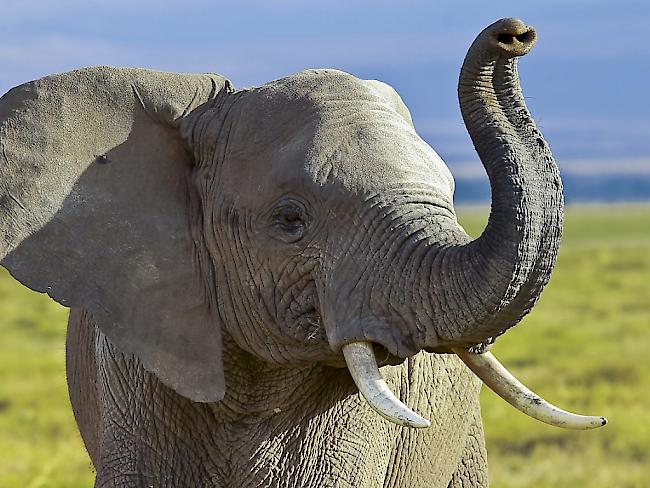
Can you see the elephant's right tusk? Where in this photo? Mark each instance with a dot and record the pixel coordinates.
(361, 361)
(504, 384)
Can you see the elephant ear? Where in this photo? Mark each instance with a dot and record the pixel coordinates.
(95, 211)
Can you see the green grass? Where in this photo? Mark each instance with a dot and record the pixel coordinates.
(39, 443)
(584, 347)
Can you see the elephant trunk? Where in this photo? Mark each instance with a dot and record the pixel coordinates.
(499, 276)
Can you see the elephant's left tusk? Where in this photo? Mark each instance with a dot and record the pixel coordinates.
(362, 364)
(499, 379)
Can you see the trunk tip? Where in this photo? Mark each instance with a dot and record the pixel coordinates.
(510, 37)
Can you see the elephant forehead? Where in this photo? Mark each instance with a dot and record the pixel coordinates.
(326, 128)
(366, 157)
(377, 153)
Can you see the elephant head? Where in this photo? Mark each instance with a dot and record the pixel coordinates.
(305, 219)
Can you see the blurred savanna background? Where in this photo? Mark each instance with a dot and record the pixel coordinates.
(583, 347)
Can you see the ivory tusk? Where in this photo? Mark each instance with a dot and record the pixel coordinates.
(504, 384)
(362, 364)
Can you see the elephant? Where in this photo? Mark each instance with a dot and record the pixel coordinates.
(257, 276)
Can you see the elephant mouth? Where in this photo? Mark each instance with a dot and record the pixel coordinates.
(384, 357)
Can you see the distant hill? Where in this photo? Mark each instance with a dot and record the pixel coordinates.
(606, 181)
(605, 188)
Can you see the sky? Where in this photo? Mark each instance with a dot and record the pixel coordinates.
(586, 81)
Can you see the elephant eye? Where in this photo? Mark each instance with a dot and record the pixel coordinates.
(290, 222)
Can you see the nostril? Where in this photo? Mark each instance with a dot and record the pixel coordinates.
(506, 38)
(525, 37)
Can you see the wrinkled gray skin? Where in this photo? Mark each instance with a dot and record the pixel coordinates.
(218, 248)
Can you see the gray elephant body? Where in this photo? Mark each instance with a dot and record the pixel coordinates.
(300, 427)
(233, 246)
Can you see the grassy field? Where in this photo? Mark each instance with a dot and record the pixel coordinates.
(584, 347)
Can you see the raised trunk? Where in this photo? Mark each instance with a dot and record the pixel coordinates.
(498, 277)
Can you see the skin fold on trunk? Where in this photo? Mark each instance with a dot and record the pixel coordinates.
(507, 267)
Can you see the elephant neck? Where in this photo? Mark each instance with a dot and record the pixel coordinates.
(257, 390)
(310, 424)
